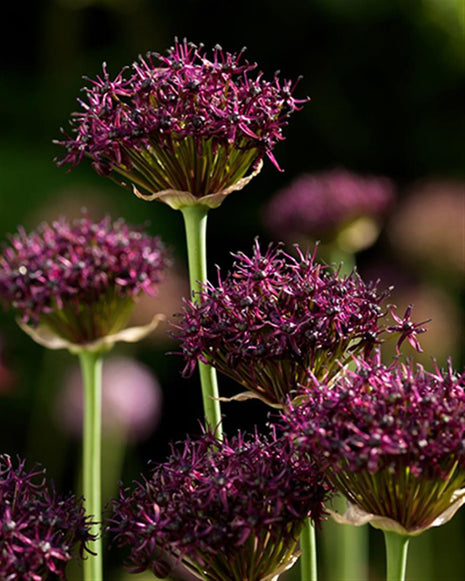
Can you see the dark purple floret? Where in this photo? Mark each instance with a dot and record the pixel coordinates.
(180, 121)
(319, 206)
(227, 510)
(407, 329)
(390, 437)
(275, 317)
(80, 278)
(40, 532)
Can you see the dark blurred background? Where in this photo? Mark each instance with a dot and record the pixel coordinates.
(386, 81)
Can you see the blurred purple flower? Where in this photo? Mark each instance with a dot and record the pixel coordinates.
(40, 531)
(229, 509)
(274, 317)
(391, 438)
(131, 399)
(180, 122)
(324, 206)
(79, 279)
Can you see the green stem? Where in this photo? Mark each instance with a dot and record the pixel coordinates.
(91, 367)
(114, 446)
(350, 543)
(308, 559)
(195, 222)
(396, 555)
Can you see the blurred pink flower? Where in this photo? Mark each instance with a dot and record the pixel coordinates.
(428, 230)
(131, 399)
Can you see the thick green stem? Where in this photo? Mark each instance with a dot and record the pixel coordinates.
(195, 221)
(396, 555)
(349, 543)
(91, 366)
(308, 559)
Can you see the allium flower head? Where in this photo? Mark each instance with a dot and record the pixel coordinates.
(330, 206)
(275, 317)
(183, 126)
(77, 282)
(229, 509)
(391, 438)
(40, 532)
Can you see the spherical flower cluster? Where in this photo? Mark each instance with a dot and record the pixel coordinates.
(274, 316)
(391, 438)
(40, 531)
(180, 122)
(230, 509)
(328, 205)
(79, 279)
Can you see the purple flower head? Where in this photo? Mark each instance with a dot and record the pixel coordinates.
(325, 206)
(275, 317)
(182, 121)
(40, 532)
(391, 438)
(80, 279)
(229, 509)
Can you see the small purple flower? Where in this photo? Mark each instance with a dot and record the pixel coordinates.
(391, 438)
(329, 206)
(40, 532)
(79, 280)
(229, 509)
(275, 317)
(407, 329)
(182, 122)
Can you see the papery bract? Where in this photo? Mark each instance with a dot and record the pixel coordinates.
(74, 284)
(274, 317)
(391, 438)
(181, 127)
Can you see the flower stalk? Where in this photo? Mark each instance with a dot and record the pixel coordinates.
(390, 439)
(396, 555)
(91, 366)
(350, 543)
(308, 559)
(195, 222)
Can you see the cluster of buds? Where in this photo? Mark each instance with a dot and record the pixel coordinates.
(275, 316)
(181, 125)
(76, 283)
(230, 509)
(40, 531)
(391, 438)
